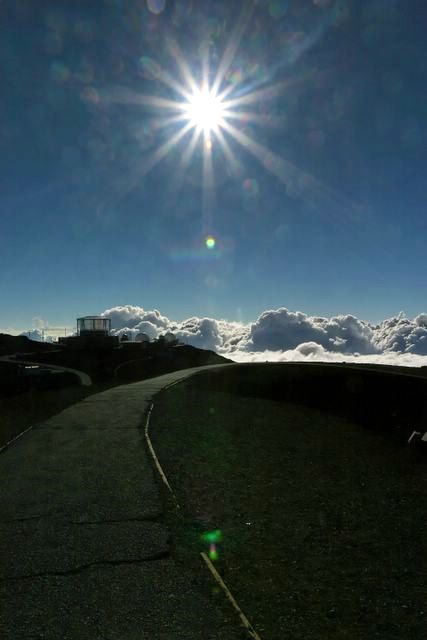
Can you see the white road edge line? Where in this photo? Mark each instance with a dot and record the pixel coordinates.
(230, 597)
(414, 433)
(155, 458)
(208, 562)
(7, 445)
(151, 448)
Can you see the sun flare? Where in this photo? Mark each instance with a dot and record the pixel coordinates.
(208, 109)
(205, 111)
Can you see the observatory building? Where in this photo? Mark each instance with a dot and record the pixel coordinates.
(143, 338)
(93, 326)
(93, 332)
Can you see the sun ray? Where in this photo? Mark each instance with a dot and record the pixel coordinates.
(205, 67)
(265, 120)
(184, 68)
(209, 108)
(208, 184)
(156, 72)
(132, 179)
(276, 165)
(163, 150)
(299, 184)
(233, 44)
(267, 93)
(185, 159)
(163, 122)
(173, 84)
(228, 153)
(123, 95)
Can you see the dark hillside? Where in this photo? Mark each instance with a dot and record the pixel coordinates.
(21, 344)
(131, 361)
(27, 399)
(318, 523)
(166, 360)
(381, 399)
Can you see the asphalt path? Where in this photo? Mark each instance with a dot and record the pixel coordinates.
(85, 553)
(85, 380)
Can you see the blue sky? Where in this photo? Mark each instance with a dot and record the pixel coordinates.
(332, 221)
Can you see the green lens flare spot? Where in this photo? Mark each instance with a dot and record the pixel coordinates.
(210, 242)
(212, 537)
(213, 553)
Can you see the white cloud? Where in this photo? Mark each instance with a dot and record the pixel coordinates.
(205, 333)
(39, 323)
(200, 332)
(284, 335)
(318, 354)
(132, 317)
(402, 334)
(283, 329)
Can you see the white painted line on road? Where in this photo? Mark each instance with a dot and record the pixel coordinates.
(155, 458)
(7, 445)
(207, 560)
(414, 433)
(230, 597)
(151, 448)
(168, 386)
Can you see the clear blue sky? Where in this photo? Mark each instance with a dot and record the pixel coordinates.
(334, 221)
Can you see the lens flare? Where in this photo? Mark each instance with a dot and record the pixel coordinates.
(202, 108)
(210, 242)
(213, 538)
(213, 552)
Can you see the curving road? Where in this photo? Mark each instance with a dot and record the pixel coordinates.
(85, 380)
(85, 549)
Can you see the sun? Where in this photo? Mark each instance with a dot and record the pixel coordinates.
(216, 109)
(205, 110)
(212, 108)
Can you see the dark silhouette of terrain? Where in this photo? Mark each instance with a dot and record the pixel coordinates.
(301, 475)
(378, 397)
(21, 344)
(127, 362)
(29, 395)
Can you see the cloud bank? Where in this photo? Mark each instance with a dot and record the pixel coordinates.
(281, 335)
(284, 335)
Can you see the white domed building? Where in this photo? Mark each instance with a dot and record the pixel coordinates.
(142, 337)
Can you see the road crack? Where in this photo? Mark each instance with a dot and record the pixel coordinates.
(26, 519)
(84, 567)
(148, 518)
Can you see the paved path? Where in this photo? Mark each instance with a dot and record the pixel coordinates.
(85, 553)
(85, 380)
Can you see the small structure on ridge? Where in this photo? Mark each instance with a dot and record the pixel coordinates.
(93, 326)
(92, 332)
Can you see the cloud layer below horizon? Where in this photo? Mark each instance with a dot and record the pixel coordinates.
(284, 335)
